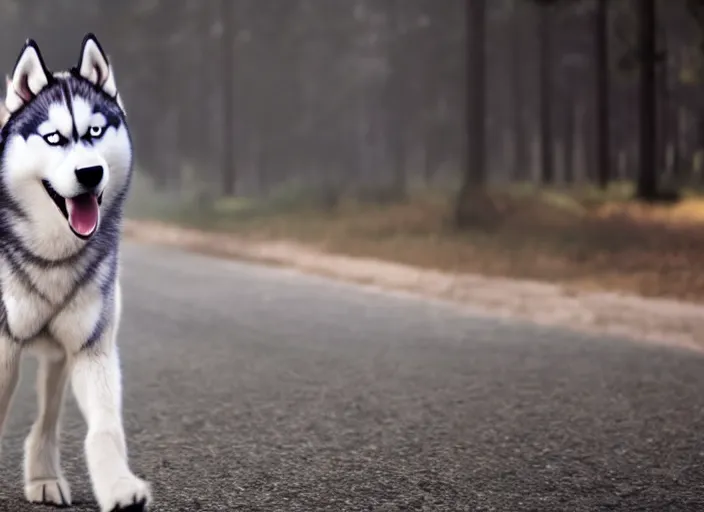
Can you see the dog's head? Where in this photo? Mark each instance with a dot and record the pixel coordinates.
(66, 149)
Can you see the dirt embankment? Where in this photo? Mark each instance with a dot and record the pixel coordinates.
(653, 320)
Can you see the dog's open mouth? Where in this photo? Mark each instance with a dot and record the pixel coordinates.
(82, 211)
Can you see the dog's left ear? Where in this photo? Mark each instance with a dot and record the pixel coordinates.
(93, 65)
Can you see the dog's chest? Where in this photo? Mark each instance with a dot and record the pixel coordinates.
(52, 299)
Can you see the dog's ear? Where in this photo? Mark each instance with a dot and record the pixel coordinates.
(29, 77)
(93, 65)
(4, 112)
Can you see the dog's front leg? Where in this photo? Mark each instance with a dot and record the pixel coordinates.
(9, 375)
(97, 386)
(44, 482)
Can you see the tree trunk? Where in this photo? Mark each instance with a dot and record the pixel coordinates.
(647, 177)
(546, 140)
(588, 132)
(570, 119)
(396, 132)
(397, 103)
(474, 175)
(228, 175)
(662, 116)
(520, 153)
(603, 151)
(427, 169)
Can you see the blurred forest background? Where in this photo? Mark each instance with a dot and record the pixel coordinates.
(551, 139)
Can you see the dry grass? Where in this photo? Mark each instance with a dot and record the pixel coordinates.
(585, 239)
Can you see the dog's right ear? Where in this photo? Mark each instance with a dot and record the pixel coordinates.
(29, 77)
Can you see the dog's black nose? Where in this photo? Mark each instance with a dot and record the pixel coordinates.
(90, 177)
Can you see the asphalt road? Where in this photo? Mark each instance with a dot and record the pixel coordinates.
(258, 389)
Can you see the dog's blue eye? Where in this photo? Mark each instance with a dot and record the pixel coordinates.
(96, 131)
(55, 139)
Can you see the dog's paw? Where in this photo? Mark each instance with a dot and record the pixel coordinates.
(51, 491)
(127, 495)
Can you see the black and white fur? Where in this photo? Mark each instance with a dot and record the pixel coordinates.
(59, 289)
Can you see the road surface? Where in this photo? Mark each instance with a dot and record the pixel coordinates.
(258, 389)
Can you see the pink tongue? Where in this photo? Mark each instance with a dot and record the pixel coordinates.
(83, 213)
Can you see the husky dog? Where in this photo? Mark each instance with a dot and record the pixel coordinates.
(65, 166)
